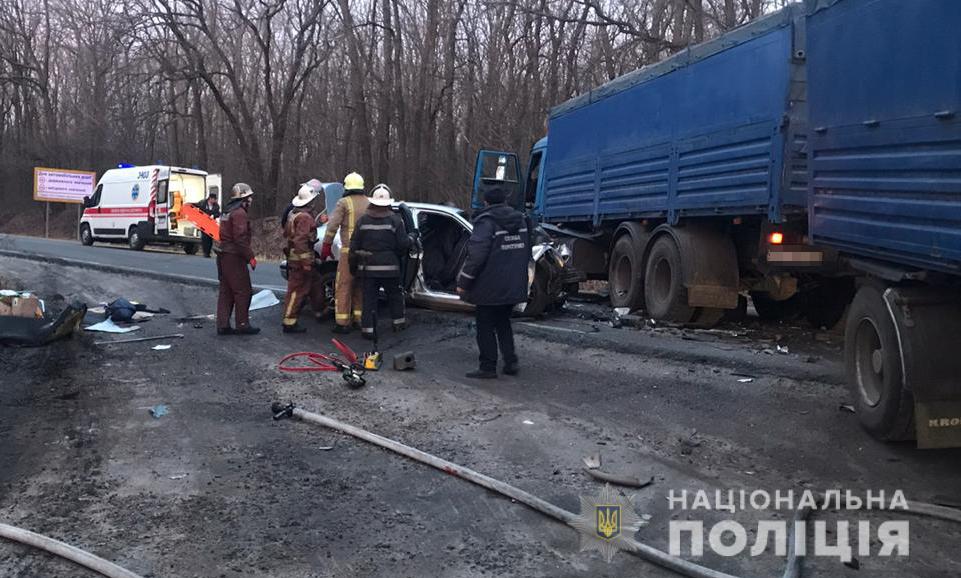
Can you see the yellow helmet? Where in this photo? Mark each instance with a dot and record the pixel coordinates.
(354, 182)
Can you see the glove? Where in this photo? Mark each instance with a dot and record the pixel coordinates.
(253, 262)
(326, 252)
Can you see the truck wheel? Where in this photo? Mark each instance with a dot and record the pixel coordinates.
(624, 274)
(772, 310)
(135, 241)
(86, 237)
(190, 248)
(824, 306)
(872, 360)
(664, 294)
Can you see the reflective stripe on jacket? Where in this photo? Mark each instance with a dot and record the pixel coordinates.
(379, 244)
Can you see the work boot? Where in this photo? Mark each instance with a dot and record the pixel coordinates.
(295, 328)
(510, 369)
(341, 329)
(247, 330)
(225, 330)
(481, 374)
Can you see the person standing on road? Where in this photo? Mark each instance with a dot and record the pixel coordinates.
(212, 208)
(377, 250)
(347, 295)
(302, 279)
(233, 255)
(494, 279)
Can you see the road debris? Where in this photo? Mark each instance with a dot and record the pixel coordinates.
(847, 407)
(34, 332)
(263, 299)
(592, 464)
(108, 326)
(163, 347)
(527, 422)
(404, 361)
(139, 339)
(158, 411)
(745, 380)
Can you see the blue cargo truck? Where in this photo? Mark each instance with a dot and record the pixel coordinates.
(810, 160)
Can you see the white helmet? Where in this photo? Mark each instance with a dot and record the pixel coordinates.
(381, 196)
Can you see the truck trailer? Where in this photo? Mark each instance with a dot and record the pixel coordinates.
(810, 160)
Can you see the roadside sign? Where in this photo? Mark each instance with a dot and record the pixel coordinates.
(62, 185)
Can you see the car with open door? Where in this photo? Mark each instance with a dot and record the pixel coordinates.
(440, 234)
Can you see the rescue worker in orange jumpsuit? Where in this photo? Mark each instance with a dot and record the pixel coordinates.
(233, 256)
(302, 279)
(348, 306)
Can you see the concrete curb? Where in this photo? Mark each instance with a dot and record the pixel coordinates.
(183, 279)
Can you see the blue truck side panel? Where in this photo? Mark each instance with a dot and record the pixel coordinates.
(884, 90)
(707, 132)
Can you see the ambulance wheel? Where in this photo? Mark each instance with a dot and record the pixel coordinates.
(872, 359)
(190, 248)
(135, 241)
(86, 237)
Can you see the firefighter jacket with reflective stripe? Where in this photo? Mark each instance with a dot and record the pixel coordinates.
(350, 208)
(235, 231)
(499, 250)
(379, 245)
(301, 233)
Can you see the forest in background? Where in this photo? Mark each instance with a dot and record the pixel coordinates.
(274, 92)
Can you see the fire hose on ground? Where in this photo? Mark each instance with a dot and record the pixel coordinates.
(72, 553)
(639, 549)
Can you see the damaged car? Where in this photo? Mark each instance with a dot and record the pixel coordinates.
(440, 234)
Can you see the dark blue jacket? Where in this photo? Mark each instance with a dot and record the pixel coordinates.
(499, 250)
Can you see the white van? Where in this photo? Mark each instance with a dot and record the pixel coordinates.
(140, 205)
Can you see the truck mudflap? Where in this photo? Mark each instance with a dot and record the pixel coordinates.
(928, 323)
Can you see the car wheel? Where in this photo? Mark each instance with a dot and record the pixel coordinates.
(328, 282)
(86, 236)
(539, 299)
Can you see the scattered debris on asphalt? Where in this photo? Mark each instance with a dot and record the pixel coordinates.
(37, 331)
(745, 380)
(592, 464)
(263, 299)
(162, 347)
(139, 339)
(847, 407)
(108, 326)
(404, 361)
(158, 411)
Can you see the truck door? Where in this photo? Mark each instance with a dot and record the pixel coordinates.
(495, 168)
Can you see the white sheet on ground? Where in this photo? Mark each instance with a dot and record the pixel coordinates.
(108, 326)
(262, 299)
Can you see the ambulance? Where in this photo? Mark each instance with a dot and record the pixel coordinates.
(141, 205)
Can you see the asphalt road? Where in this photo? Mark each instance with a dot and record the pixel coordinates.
(217, 488)
(155, 259)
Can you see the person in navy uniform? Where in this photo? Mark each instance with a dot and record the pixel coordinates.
(494, 279)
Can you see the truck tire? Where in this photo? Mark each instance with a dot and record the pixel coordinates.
(190, 248)
(872, 361)
(86, 236)
(773, 310)
(664, 294)
(135, 241)
(624, 274)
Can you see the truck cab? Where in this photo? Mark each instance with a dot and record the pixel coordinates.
(501, 167)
